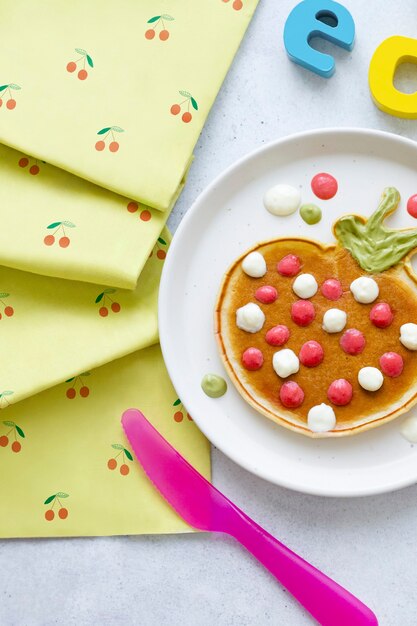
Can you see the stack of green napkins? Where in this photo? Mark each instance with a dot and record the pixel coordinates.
(101, 104)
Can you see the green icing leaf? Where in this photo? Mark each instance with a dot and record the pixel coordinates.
(14, 86)
(9, 423)
(375, 247)
(167, 17)
(48, 500)
(20, 431)
(68, 224)
(177, 402)
(89, 61)
(117, 129)
(164, 243)
(99, 297)
(3, 87)
(54, 225)
(110, 290)
(194, 104)
(117, 446)
(154, 19)
(80, 51)
(62, 494)
(103, 130)
(70, 380)
(186, 94)
(128, 454)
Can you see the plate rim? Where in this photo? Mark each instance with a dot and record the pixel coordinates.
(163, 309)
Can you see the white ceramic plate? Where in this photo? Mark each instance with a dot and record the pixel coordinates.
(227, 219)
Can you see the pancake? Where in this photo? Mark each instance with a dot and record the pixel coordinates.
(341, 261)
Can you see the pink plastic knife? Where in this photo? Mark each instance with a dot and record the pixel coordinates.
(202, 506)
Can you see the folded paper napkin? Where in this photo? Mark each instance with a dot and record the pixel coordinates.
(116, 93)
(66, 466)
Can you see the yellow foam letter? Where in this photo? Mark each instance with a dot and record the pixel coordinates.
(387, 57)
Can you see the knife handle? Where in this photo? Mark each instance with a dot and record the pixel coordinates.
(328, 602)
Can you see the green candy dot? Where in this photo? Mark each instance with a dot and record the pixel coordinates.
(310, 213)
(213, 386)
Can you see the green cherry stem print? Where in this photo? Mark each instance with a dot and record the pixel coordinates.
(112, 463)
(8, 310)
(58, 227)
(185, 106)
(6, 92)
(179, 411)
(4, 402)
(237, 4)
(158, 21)
(55, 499)
(82, 60)
(14, 432)
(78, 382)
(104, 299)
(108, 131)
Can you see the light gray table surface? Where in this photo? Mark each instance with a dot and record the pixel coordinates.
(370, 544)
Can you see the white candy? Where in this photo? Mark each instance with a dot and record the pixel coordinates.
(305, 286)
(285, 362)
(370, 378)
(254, 265)
(364, 289)
(408, 336)
(321, 418)
(250, 318)
(409, 429)
(334, 321)
(282, 200)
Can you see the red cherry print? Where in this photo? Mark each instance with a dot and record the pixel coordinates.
(252, 359)
(124, 469)
(1, 102)
(381, 315)
(103, 311)
(163, 35)
(311, 354)
(145, 215)
(49, 515)
(161, 254)
(84, 392)
(112, 464)
(11, 104)
(291, 395)
(175, 109)
(114, 146)
(24, 162)
(63, 513)
(266, 294)
(278, 335)
(324, 186)
(352, 341)
(115, 307)
(290, 265)
(34, 170)
(4, 441)
(64, 242)
(178, 416)
(340, 392)
(392, 364)
(332, 289)
(71, 393)
(412, 206)
(49, 240)
(100, 145)
(132, 207)
(82, 74)
(16, 446)
(303, 312)
(9, 311)
(150, 34)
(71, 66)
(237, 5)
(186, 117)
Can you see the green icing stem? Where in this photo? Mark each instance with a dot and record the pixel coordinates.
(310, 213)
(213, 385)
(375, 247)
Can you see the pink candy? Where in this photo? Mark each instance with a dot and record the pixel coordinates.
(391, 364)
(412, 206)
(381, 315)
(291, 395)
(290, 265)
(278, 335)
(324, 186)
(266, 294)
(252, 359)
(311, 354)
(352, 341)
(303, 312)
(332, 289)
(340, 392)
